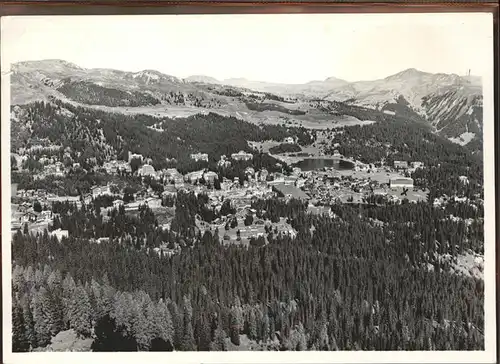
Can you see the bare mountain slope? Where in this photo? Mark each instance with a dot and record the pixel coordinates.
(450, 103)
(412, 84)
(313, 89)
(152, 92)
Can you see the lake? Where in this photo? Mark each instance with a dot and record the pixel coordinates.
(311, 164)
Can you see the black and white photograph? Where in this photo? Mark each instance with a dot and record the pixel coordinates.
(255, 187)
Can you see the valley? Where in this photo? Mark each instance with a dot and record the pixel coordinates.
(154, 213)
(450, 104)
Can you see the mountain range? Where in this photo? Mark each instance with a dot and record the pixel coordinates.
(450, 103)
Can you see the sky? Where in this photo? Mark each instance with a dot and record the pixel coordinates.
(292, 48)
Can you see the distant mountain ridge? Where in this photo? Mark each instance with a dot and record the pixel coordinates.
(452, 104)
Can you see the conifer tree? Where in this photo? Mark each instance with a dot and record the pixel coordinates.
(97, 300)
(46, 270)
(163, 323)
(141, 328)
(54, 284)
(301, 338)
(38, 278)
(41, 317)
(29, 276)
(265, 328)
(80, 312)
(188, 343)
(235, 325)
(252, 325)
(108, 294)
(178, 324)
(18, 280)
(20, 342)
(203, 338)
(29, 322)
(68, 290)
(219, 340)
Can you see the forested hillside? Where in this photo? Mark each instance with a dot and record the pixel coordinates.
(93, 94)
(342, 284)
(96, 134)
(387, 141)
(367, 276)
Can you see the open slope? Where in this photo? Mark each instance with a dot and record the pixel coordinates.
(451, 104)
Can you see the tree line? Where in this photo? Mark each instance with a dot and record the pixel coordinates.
(343, 283)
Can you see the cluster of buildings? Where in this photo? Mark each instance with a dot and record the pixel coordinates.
(116, 166)
(240, 156)
(45, 146)
(242, 233)
(320, 210)
(319, 188)
(25, 213)
(200, 157)
(405, 165)
(196, 176)
(50, 160)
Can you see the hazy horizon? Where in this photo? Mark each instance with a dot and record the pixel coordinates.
(302, 47)
(233, 78)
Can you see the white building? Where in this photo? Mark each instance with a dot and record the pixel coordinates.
(464, 180)
(417, 164)
(101, 190)
(210, 176)
(200, 157)
(193, 177)
(136, 156)
(401, 182)
(114, 166)
(117, 203)
(153, 203)
(319, 210)
(400, 164)
(174, 175)
(147, 170)
(242, 156)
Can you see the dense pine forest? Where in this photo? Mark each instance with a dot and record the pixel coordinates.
(93, 94)
(387, 141)
(99, 134)
(350, 285)
(367, 277)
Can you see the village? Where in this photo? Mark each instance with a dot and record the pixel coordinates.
(318, 188)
